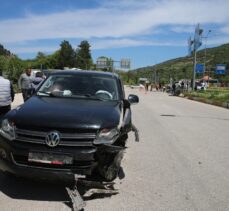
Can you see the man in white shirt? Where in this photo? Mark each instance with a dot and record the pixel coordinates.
(6, 95)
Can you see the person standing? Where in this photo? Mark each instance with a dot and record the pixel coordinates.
(37, 80)
(6, 95)
(25, 84)
(174, 88)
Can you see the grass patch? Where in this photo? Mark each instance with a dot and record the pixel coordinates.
(216, 95)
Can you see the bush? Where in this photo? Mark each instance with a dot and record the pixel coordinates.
(16, 89)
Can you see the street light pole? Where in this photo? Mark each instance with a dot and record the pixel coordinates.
(155, 76)
(197, 43)
(205, 54)
(194, 72)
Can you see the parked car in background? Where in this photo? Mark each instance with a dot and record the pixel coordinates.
(201, 86)
(34, 72)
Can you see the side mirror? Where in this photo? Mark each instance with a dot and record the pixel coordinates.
(133, 99)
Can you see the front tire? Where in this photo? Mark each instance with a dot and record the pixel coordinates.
(110, 170)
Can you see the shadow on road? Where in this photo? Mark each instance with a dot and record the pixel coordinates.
(194, 117)
(20, 188)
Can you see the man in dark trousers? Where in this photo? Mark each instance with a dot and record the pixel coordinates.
(25, 84)
(6, 95)
(174, 88)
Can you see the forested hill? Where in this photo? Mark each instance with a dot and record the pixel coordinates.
(4, 52)
(182, 67)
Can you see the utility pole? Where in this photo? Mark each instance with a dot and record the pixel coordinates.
(152, 75)
(113, 69)
(196, 44)
(205, 54)
(194, 71)
(190, 43)
(155, 76)
(208, 75)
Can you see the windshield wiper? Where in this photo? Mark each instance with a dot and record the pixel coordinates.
(50, 94)
(93, 97)
(88, 96)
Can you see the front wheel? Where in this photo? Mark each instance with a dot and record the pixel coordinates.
(110, 170)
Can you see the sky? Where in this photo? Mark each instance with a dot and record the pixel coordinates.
(147, 32)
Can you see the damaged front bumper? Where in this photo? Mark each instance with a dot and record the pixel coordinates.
(14, 159)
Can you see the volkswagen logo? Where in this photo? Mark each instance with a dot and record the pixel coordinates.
(52, 139)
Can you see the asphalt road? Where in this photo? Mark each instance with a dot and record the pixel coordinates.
(180, 163)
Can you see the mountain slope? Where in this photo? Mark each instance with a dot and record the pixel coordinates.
(182, 67)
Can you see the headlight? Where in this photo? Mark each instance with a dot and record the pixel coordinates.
(107, 136)
(7, 130)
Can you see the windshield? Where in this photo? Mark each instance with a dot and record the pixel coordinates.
(84, 86)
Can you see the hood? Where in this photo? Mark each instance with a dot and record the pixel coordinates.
(71, 113)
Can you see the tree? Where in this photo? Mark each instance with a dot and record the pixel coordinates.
(3, 63)
(83, 56)
(40, 61)
(40, 56)
(66, 55)
(52, 61)
(13, 68)
(4, 52)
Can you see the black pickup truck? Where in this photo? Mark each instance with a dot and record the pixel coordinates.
(77, 122)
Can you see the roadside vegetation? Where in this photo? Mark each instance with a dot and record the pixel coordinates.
(80, 57)
(66, 56)
(217, 95)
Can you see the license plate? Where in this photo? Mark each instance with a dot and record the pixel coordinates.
(50, 158)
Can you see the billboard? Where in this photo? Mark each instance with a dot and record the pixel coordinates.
(101, 63)
(125, 63)
(220, 69)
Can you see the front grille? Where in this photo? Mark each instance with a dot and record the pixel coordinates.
(67, 139)
(61, 130)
